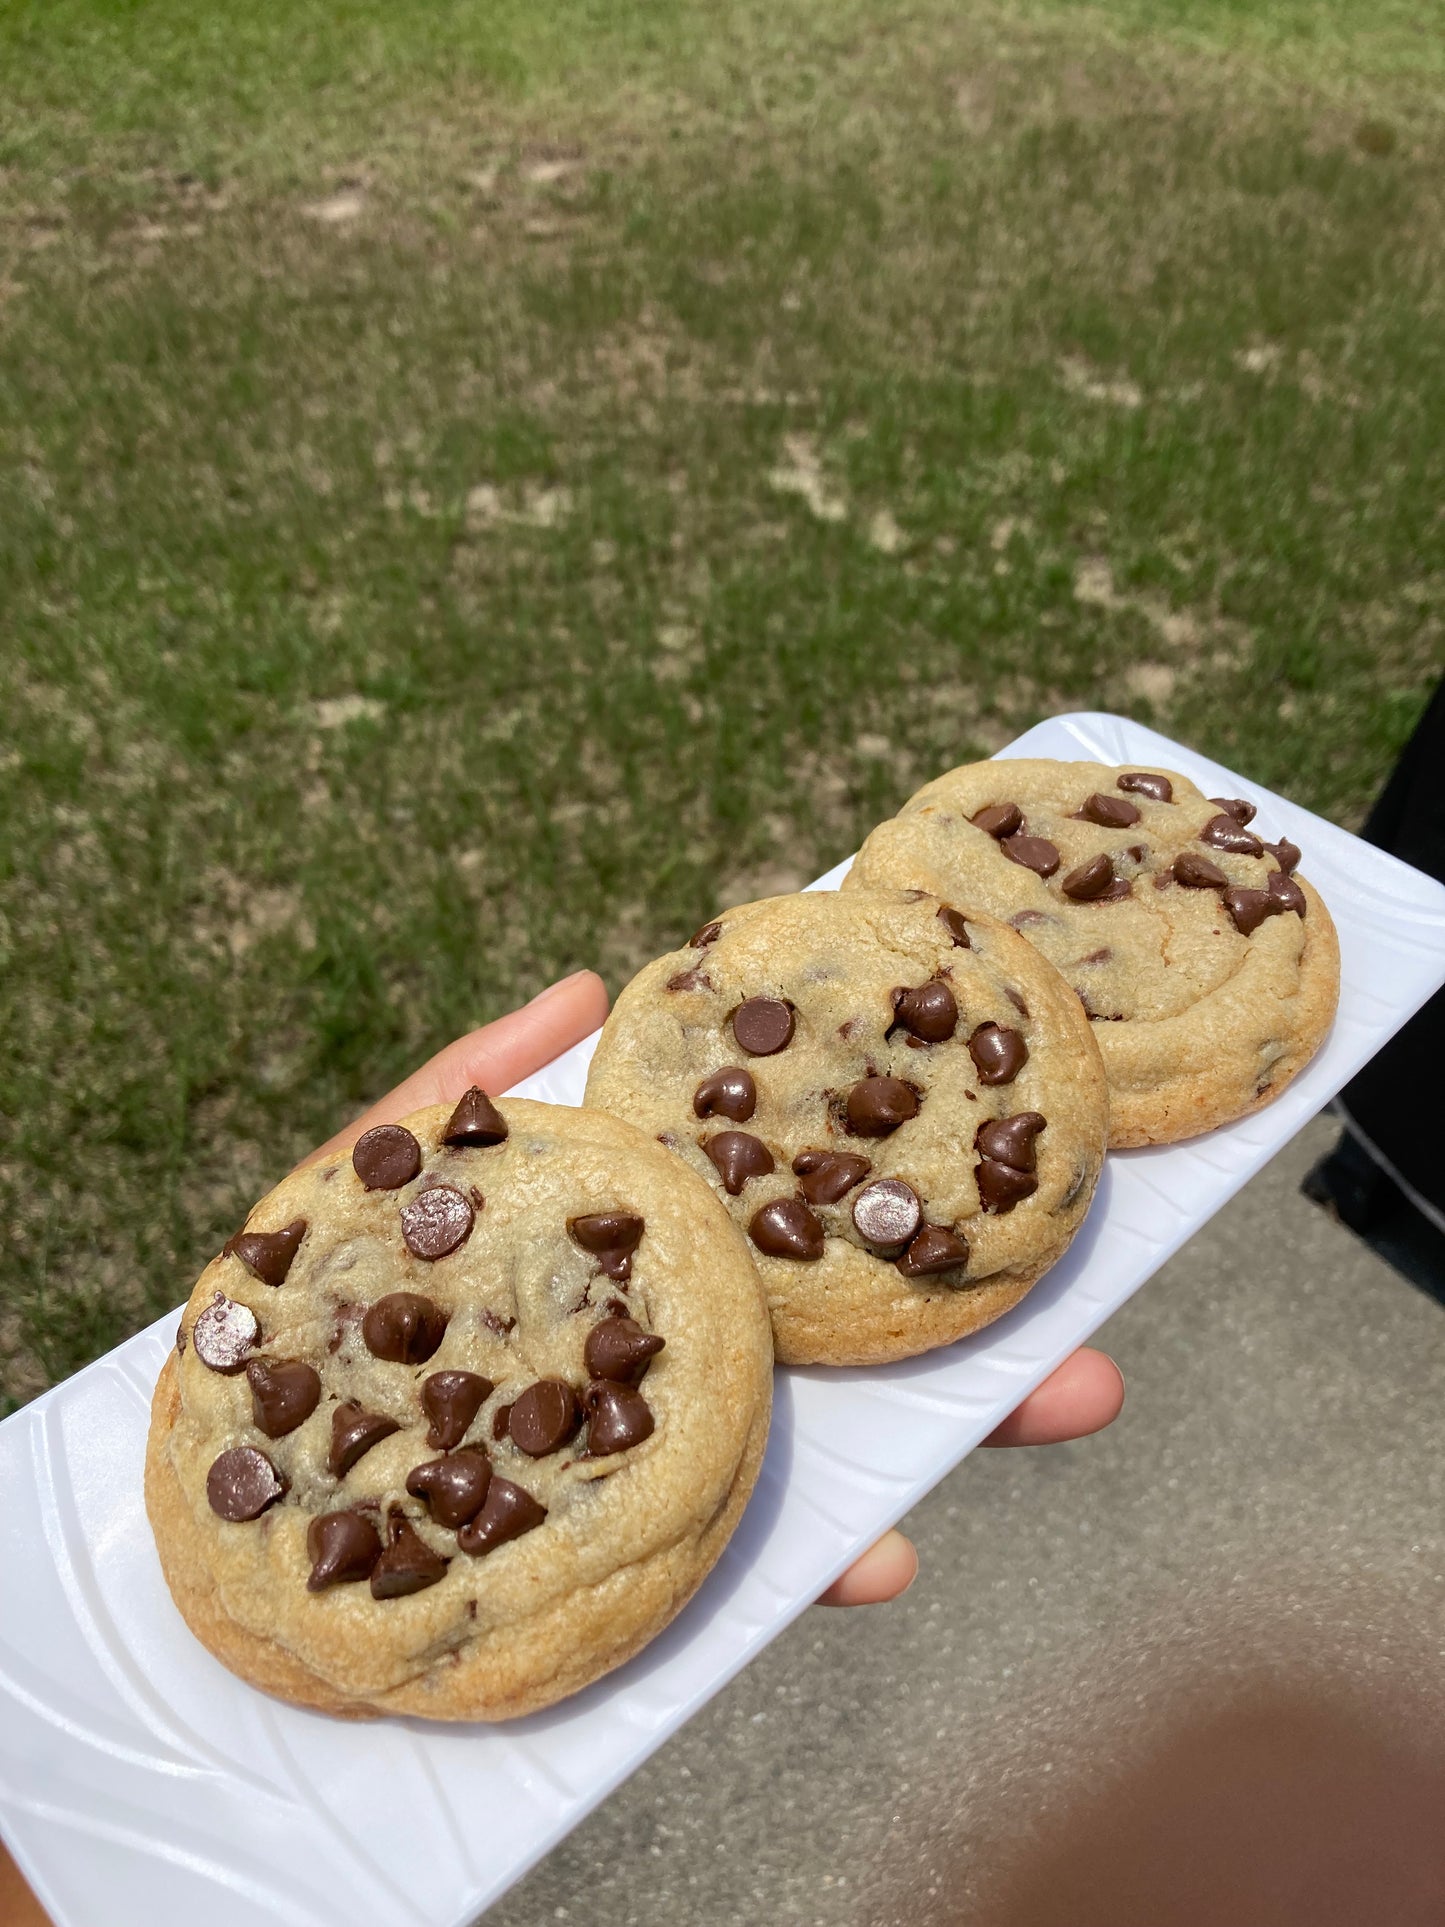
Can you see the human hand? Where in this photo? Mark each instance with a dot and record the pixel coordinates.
(1082, 1396)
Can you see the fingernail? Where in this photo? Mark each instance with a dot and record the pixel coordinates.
(552, 989)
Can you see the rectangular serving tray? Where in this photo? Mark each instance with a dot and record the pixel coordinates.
(142, 1785)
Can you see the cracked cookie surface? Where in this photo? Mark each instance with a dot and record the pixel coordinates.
(462, 1417)
(1209, 970)
(904, 1110)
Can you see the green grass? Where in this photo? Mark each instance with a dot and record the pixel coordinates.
(698, 429)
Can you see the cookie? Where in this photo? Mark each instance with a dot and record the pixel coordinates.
(1209, 969)
(903, 1110)
(462, 1418)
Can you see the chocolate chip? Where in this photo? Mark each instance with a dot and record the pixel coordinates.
(500, 1326)
(619, 1349)
(404, 1327)
(1236, 807)
(786, 1228)
(354, 1431)
(1001, 1187)
(998, 819)
(1285, 854)
(763, 1026)
(1035, 853)
(408, 1564)
(435, 1222)
(887, 1212)
(386, 1158)
(1223, 833)
(242, 1483)
(1196, 872)
(284, 1394)
(1146, 783)
(1010, 1140)
(507, 1514)
(342, 1546)
(1022, 918)
(999, 1053)
(709, 933)
(611, 1237)
(544, 1417)
(953, 923)
(454, 1487)
(1092, 879)
(689, 980)
(1111, 811)
(501, 1420)
(1286, 892)
(475, 1121)
(729, 1092)
(451, 1400)
(877, 1106)
(617, 1417)
(223, 1334)
(267, 1255)
(826, 1176)
(1249, 908)
(1097, 956)
(936, 1248)
(738, 1156)
(929, 1011)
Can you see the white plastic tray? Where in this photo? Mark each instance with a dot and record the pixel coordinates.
(141, 1785)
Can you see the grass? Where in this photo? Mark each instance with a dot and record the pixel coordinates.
(482, 488)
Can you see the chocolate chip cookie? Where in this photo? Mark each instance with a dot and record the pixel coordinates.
(1209, 970)
(903, 1108)
(462, 1417)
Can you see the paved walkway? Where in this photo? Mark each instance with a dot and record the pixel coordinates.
(1089, 1620)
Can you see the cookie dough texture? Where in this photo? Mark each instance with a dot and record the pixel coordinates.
(1198, 1022)
(627, 1538)
(837, 962)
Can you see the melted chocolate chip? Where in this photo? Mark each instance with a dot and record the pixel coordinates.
(693, 979)
(436, 1222)
(1147, 783)
(1092, 879)
(1286, 892)
(284, 1394)
(242, 1483)
(1196, 872)
(709, 933)
(1249, 908)
(763, 1026)
(1111, 811)
(342, 1546)
(354, 1431)
(826, 1176)
(929, 1011)
(617, 1417)
(1236, 807)
(386, 1158)
(611, 1237)
(1010, 1140)
(544, 1417)
(876, 1106)
(507, 1514)
(738, 1156)
(268, 1255)
(453, 1487)
(451, 1400)
(475, 1121)
(408, 1564)
(224, 1333)
(501, 1420)
(936, 1248)
(729, 1092)
(1001, 1187)
(1022, 918)
(786, 1228)
(998, 819)
(999, 1054)
(1223, 833)
(404, 1327)
(1035, 853)
(1285, 854)
(953, 923)
(620, 1350)
(887, 1212)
